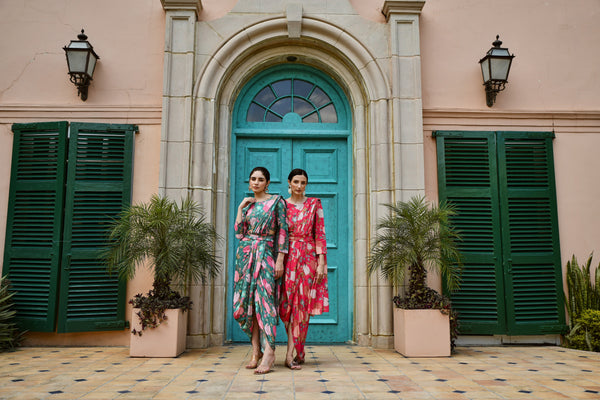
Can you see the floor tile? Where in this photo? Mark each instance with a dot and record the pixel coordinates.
(330, 372)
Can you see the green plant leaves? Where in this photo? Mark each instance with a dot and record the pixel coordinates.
(415, 236)
(10, 336)
(585, 334)
(582, 300)
(583, 292)
(173, 240)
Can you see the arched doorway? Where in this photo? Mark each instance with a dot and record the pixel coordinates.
(295, 116)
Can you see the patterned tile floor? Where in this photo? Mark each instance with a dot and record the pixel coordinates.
(331, 372)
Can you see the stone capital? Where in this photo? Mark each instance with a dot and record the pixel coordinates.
(401, 7)
(179, 5)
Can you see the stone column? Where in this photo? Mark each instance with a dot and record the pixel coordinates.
(178, 84)
(397, 162)
(184, 146)
(407, 106)
(381, 187)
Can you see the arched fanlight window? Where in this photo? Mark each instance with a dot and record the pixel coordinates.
(279, 98)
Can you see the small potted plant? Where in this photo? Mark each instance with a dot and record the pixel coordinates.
(413, 238)
(176, 243)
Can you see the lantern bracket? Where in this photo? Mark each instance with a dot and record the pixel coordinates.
(495, 67)
(81, 61)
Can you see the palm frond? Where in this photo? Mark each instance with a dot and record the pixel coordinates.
(416, 234)
(10, 336)
(173, 240)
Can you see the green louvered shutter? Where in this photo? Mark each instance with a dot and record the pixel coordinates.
(34, 223)
(98, 186)
(467, 177)
(503, 186)
(531, 251)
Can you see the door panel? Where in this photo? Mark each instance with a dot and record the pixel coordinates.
(531, 253)
(33, 230)
(325, 161)
(100, 171)
(273, 154)
(471, 185)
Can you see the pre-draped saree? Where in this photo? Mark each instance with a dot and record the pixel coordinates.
(263, 233)
(302, 296)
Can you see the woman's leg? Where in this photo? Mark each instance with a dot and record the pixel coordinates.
(290, 343)
(268, 359)
(255, 340)
(289, 356)
(301, 339)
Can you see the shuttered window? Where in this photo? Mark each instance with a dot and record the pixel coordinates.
(502, 184)
(64, 190)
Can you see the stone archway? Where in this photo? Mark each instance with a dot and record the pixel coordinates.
(206, 137)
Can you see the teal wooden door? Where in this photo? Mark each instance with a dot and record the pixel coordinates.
(299, 138)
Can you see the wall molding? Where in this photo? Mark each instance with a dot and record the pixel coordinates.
(142, 115)
(591, 114)
(558, 121)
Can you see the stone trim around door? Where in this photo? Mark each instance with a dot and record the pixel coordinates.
(387, 144)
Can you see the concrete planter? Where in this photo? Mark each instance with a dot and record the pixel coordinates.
(421, 333)
(166, 340)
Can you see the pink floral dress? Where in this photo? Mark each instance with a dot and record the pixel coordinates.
(263, 232)
(302, 296)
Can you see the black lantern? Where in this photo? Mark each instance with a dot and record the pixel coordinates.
(81, 59)
(495, 67)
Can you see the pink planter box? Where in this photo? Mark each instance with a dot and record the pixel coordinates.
(421, 333)
(166, 340)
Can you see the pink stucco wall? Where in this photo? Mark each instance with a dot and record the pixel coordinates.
(576, 161)
(129, 40)
(553, 86)
(554, 68)
(127, 88)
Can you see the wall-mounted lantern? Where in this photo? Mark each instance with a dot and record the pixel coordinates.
(81, 60)
(495, 67)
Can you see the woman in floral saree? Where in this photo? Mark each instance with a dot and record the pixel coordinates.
(305, 285)
(261, 227)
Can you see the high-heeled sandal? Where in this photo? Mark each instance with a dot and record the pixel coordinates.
(293, 365)
(254, 361)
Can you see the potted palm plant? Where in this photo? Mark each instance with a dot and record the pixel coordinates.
(413, 238)
(177, 245)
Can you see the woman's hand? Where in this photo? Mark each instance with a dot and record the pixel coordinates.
(321, 270)
(245, 202)
(279, 267)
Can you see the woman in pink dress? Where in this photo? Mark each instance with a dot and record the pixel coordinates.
(305, 286)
